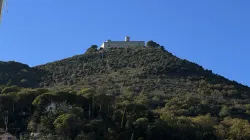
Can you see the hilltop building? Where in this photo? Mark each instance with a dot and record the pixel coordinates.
(122, 44)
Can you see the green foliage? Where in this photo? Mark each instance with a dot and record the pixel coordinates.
(92, 49)
(224, 112)
(141, 122)
(152, 44)
(127, 93)
(14, 73)
(236, 129)
(87, 92)
(67, 125)
(10, 89)
(47, 98)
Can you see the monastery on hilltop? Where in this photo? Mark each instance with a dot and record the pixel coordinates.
(122, 44)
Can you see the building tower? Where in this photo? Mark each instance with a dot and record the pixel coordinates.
(127, 38)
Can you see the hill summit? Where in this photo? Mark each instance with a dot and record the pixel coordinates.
(138, 67)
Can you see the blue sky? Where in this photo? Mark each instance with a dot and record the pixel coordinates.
(212, 33)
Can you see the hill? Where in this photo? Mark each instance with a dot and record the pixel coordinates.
(14, 73)
(150, 69)
(127, 93)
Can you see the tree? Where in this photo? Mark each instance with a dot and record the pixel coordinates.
(235, 129)
(152, 44)
(162, 48)
(141, 123)
(141, 126)
(92, 49)
(87, 92)
(224, 112)
(68, 125)
(11, 89)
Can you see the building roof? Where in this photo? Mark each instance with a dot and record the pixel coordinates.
(125, 41)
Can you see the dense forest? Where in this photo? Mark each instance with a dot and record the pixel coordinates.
(122, 94)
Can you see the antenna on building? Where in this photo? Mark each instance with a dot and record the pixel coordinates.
(127, 38)
(108, 39)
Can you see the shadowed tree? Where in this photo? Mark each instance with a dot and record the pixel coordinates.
(68, 125)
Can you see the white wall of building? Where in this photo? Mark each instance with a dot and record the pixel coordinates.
(122, 44)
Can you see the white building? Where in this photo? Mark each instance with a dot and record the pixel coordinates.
(122, 44)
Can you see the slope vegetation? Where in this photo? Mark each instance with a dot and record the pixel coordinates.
(14, 73)
(130, 93)
(149, 69)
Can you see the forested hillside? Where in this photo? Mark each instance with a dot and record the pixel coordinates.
(14, 73)
(124, 94)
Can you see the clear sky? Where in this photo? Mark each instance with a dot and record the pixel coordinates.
(212, 33)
